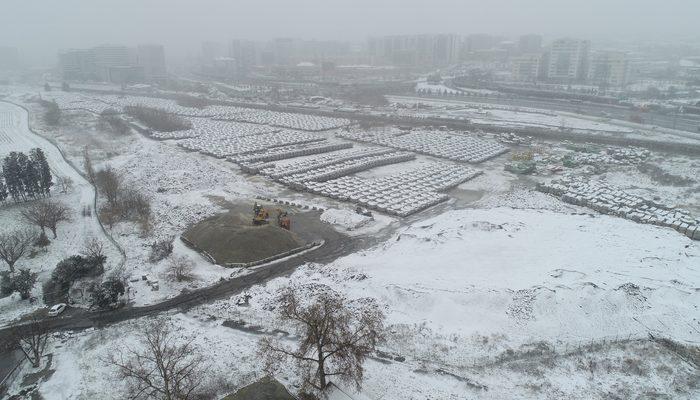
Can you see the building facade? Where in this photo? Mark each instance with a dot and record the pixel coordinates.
(526, 67)
(609, 69)
(568, 60)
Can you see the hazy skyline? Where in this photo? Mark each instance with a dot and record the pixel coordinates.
(41, 27)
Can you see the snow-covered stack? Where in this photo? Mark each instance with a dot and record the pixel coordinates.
(451, 146)
(607, 200)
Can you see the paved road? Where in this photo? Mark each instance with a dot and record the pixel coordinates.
(335, 245)
(686, 122)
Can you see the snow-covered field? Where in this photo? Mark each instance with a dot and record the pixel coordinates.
(470, 296)
(502, 292)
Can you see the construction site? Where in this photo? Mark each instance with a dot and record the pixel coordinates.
(253, 235)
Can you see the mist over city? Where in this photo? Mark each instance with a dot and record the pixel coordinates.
(287, 200)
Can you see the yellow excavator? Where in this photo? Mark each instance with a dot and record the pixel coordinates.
(261, 216)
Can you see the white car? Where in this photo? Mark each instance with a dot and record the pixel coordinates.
(57, 309)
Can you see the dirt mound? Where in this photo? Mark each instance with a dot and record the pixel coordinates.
(231, 238)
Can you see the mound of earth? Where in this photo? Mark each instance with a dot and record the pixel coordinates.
(232, 238)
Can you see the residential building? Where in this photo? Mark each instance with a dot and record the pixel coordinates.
(568, 60)
(117, 64)
(415, 50)
(528, 44)
(526, 67)
(77, 64)
(109, 57)
(151, 58)
(609, 69)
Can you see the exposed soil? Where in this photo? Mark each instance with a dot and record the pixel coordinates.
(232, 238)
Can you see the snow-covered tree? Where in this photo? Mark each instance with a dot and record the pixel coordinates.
(12, 173)
(42, 165)
(335, 336)
(14, 245)
(3, 190)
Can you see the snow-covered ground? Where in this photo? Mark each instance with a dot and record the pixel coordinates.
(72, 236)
(470, 296)
(502, 292)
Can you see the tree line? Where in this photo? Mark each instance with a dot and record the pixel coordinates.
(25, 177)
(158, 119)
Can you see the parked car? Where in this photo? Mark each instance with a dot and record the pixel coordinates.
(57, 309)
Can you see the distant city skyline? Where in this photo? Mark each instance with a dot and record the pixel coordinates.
(40, 28)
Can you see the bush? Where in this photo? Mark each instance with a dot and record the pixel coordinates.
(161, 250)
(52, 115)
(157, 119)
(192, 101)
(42, 240)
(67, 272)
(22, 282)
(113, 123)
(180, 269)
(106, 295)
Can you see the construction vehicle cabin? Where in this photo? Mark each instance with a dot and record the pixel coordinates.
(261, 216)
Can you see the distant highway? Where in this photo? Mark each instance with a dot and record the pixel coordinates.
(676, 120)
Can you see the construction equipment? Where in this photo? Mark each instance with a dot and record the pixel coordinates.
(283, 220)
(260, 215)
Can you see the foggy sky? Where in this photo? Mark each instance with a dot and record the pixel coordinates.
(40, 27)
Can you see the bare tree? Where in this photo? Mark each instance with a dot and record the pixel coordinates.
(161, 368)
(109, 183)
(65, 184)
(180, 268)
(336, 335)
(32, 339)
(87, 164)
(14, 244)
(47, 214)
(55, 212)
(36, 214)
(94, 248)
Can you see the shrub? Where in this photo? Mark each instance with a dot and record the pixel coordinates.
(157, 119)
(161, 250)
(192, 101)
(22, 282)
(106, 294)
(68, 271)
(180, 269)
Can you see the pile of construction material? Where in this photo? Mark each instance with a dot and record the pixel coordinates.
(221, 145)
(214, 129)
(609, 156)
(401, 194)
(313, 163)
(451, 146)
(608, 200)
(253, 162)
(77, 101)
(345, 167)
(97, 103)
(289, 120)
